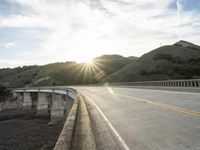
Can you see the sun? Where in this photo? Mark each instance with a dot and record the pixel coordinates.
(89, 61)
(85, 61)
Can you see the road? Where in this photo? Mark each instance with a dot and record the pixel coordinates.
(150, 119)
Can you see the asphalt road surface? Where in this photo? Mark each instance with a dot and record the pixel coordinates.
(150, 119)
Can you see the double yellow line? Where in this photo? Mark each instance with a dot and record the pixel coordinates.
(175, 108)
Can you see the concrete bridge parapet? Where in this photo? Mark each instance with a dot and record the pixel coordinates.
(57, 102)
(186, 83)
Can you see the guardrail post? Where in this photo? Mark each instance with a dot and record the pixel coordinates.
(172, 83)
(191, 85)
(181, 83)
(195, 85)
(188, 83)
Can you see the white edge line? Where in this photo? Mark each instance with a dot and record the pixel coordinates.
(113, 129)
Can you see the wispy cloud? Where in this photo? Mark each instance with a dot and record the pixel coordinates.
(94, 27)
(10, 45)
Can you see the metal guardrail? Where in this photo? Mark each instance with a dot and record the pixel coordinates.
(195, 83)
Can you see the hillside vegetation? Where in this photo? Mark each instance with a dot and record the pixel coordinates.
(5, 94)
(178, 61)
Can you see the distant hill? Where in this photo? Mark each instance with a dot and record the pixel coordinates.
(112, 63)
(178, 61)
(66, 73)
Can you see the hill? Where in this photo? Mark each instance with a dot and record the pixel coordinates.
(66, 73)
(178, 61)
(112, 63)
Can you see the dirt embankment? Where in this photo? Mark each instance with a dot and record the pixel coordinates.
(22, 130)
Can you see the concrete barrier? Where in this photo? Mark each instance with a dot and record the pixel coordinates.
(83, 139)
(190, 83)
(65, 139)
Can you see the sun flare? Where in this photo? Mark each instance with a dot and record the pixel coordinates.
(89, 61)
(85, 60)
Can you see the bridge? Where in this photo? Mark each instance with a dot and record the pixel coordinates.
(138, 115)
(54, 101)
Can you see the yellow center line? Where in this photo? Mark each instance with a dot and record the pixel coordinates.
(175, 108)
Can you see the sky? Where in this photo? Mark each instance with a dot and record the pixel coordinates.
(46, 31)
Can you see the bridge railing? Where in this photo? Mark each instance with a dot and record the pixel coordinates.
(191, 83)
(59, 90)
(56, 101)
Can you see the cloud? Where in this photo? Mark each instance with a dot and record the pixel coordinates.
(180, 5)
(10, 45)
(94, 27)
(187, 21)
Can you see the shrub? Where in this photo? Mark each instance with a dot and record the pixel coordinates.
(4, 93)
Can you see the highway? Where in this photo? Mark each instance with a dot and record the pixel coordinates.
(148, 119)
